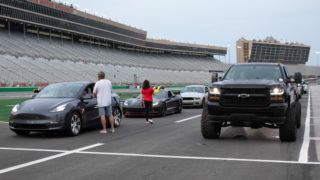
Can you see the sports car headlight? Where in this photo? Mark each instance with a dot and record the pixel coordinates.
(59, 108)
(215, 91)
(276, 91)
(155, 103)
(15, 108)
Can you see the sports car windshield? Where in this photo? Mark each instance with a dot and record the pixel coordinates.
(192, 89)
(160, 95)
(60, 91)
(251, 72)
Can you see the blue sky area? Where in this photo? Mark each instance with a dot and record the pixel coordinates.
(217, 22)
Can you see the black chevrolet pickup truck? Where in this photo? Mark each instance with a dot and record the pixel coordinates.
(253, 95)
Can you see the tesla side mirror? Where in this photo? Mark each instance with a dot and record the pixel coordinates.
(36, 90)
(87, 97)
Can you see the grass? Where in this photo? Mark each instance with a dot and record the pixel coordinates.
(6, 106)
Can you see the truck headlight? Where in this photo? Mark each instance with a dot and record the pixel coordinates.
(215, 91)
(276, 91)
(155, 103)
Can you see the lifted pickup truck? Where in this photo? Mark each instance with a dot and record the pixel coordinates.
(253, 95)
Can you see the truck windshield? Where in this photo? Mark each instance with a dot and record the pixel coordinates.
(250, 72)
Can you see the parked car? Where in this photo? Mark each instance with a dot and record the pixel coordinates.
(65, 107)
(305, 87)
(194, 95)
(164, 102)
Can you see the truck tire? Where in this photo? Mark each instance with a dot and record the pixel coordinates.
(209, 130)
(298, 114)
(288, 131)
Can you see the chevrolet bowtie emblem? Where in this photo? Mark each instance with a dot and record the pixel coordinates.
(243, 96)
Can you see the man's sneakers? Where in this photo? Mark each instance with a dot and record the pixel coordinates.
(105, 131)
(150, 121)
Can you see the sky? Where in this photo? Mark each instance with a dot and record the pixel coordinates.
(217, 22)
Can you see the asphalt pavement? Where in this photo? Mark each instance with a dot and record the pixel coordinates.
(171, 148)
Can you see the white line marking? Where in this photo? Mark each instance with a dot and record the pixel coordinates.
(2, 171)
(187, 119)
(197, 158)
(315, 138)
(315, 124)
(36, 150)
(79, 151)
(303, 156)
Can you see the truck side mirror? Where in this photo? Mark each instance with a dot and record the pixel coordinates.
(298, 77)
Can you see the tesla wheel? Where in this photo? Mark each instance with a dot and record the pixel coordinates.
(209, 130)
(22, 133)
(288, 131)
(74, 125)
(117, 117)
(164, 110)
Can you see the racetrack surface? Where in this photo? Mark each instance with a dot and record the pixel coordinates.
(166, 150)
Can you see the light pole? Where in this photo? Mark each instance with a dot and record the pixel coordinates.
(317, 56)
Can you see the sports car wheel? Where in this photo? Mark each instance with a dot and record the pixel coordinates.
(164, 110)
(74, 125)
(179, 108)
(117, 117)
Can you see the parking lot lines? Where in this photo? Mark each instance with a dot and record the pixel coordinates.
(315, 138)
(2, 171)
(187, 119)
(303, 156)
(81, 151)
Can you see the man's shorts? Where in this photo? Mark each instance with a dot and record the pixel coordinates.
(105, 111)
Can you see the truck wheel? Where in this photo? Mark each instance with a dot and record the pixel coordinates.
(298, 114)
(288, 131)
(209, 130)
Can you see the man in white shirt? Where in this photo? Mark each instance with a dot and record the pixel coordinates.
(102, 90)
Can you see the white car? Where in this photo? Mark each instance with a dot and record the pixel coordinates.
(194, 95)
(305, 87)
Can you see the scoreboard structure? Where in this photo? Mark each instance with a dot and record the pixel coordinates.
(271, 50)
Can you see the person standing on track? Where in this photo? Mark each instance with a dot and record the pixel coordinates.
(102, 90)
(147, 100)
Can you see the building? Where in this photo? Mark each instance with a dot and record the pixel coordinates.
(271, 50)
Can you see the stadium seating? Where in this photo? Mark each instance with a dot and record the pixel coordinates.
(35, 60)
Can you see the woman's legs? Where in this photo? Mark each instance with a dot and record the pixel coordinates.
(148, 108)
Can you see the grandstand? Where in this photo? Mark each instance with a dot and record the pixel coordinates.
(45, 42)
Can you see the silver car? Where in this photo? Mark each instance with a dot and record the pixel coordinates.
(194, 95)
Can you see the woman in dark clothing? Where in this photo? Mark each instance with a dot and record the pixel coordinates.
(147, 99)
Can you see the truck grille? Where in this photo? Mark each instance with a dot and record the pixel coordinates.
(256, 97)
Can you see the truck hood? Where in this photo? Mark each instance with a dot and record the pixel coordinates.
(262, 83)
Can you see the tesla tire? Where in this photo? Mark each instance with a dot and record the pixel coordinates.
(73, 125)
(117, 117)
